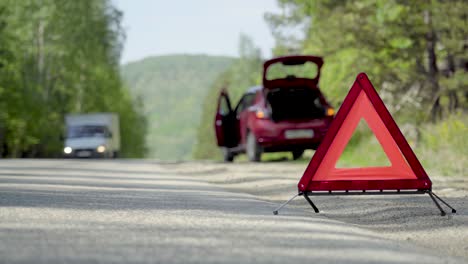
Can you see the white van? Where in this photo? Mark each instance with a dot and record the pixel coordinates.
(94, 135)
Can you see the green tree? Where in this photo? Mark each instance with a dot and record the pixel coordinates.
(63, 58)
(400, 44)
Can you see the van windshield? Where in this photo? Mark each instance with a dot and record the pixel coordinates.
(87, 131)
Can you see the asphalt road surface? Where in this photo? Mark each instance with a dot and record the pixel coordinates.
(69, 211)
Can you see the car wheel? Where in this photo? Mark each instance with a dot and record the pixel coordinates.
(228, 156)
(297, 154)
(254, 150)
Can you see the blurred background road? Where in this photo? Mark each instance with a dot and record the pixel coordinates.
(57, 211)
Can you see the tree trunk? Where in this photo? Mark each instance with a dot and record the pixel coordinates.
(432, 69)
(453, 96)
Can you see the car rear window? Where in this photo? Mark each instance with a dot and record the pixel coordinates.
(246, 101)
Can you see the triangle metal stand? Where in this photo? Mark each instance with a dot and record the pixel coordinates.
(275, 212)
(306, 195)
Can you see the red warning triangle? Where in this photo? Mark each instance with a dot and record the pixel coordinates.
(405, 171)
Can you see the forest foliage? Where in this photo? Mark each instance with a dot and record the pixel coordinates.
(59, 57)
(172, 88)
(415, 53)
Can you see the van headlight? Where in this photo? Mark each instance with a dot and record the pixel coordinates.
(67, 150)
(101, 149)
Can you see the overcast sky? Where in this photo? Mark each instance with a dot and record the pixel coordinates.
(158, 27)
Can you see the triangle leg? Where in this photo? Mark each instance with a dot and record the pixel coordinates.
(442, 212)
(311, 203)
(275, 212)
(444, 202)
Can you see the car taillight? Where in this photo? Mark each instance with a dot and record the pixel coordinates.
(261, 114)
(330, 111)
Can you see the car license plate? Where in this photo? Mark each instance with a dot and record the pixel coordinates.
(83, 153)
(299, 133)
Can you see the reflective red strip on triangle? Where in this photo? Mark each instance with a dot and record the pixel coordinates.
(363, 102)
(362, 108)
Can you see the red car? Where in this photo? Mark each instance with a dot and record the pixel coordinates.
(287, 113)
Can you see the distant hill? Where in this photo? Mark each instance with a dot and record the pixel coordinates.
(172, 89)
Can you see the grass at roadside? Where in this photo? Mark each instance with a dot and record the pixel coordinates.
(444, 146)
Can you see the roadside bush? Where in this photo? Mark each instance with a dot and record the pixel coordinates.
(444, 146)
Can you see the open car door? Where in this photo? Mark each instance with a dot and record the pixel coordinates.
(225, 122)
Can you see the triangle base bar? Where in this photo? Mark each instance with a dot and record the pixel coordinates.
(432, 195)
(377, 185)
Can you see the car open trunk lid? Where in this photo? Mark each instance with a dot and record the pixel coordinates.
(290, 80)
